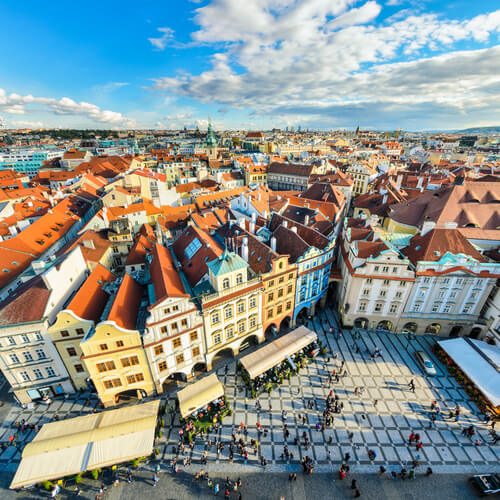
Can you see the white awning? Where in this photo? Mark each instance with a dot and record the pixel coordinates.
(261, 360)
(197, 395)
(480, 362)
(75, 445)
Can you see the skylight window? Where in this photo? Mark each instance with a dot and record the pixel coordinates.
(192, 248)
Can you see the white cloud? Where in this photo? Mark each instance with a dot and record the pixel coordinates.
(161, 42)
(28, 124)
(17, 104)
(282, 53)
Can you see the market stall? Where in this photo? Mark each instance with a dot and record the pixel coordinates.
(479, 362)
(80, 444)
(279, 359)
(196, 397)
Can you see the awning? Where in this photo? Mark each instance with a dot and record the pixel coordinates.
(75, 445)
(261, 360)
(197, 395)
(480, 362)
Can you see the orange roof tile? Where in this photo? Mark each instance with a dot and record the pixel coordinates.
(126, 304)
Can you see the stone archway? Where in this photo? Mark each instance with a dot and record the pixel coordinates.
(410, 328)
(250, 341)
(271, 331)
(285, 324)
(455, 331)
(385, 325)
(198, 369)
(222, 357)
(128, 396)
(475, 332)
(433, 328)
(361, 323)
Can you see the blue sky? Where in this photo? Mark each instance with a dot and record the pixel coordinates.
(257, 64)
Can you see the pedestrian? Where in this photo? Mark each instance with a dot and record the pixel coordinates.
(216, 489)
(353, 484)
(375, 402)
(428, 472)
(155, 479)
(357, 494)
(411, 438)
(347, 457)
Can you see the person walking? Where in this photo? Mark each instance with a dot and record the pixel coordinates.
(155, 479)
(357, 494)
(353, 484)
(347, 457)
(216, 489)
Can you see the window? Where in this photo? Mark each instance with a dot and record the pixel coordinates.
(133, 379)
(193, 336)
(14, 358)
(109, 384)
(436, 306)
(241, 327)
(383, 293)
(427, 280)
(362, 306)
(453, 295)
(71, 351)
(162, 366)
(103, 347)
(280, 293)
(239, 279)
(303, 281)
(288, 305)
(25, 338)
(280, 309)
(281, 280)
(225, 283)
(217, 338)
(27, 356)
(64, 333)
(176, 343)
(253, 303)
(270, 297)
(369, 281)
(174, 326)
(80, 331)
(394, 269)
(229, 332)
(78, 368)
(158, 350)
(215, 317)
(253, 322)
(131, 361)
(38, 373)
(472, 296)
(417, 306)
(466, 308)
(38, 336)
(447, 308)
(25, 376)
(375, 268)
(269, 313)
(290, 276)
(106, 366)
(41, 354)
(271, 283)
(378, 307)
(398, 295)
(228, 312)
(50, 371)
(446, 281)
(12, 341)
(179, 358)
(166, 311)
(385, 269)
(402, 283)
(240, 307)
(459, 281)
(393, 308)
(441, 294)
(366, 292)
(386, 282)
(289, 289)
(192, 248)
(195, 352)
(184, 323)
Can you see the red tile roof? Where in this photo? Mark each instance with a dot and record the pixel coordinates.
(126, 304)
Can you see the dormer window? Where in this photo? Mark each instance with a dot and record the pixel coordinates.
(239, 279)
(225, 283)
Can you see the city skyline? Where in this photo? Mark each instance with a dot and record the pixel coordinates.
(318, 64)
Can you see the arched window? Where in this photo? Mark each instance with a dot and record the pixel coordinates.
(225, 283)
(239, 279)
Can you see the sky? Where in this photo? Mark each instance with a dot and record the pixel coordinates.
(254, 64)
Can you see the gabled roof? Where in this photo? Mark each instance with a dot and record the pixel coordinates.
(126, 304)
(90, 300)
(309, 235)
(435, 243)
(290, 169)
(227, 262)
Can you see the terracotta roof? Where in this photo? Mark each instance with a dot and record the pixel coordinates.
(219, 197)
(289, 243)
(126, 304)
(435, 243)
(324, 191)
(143, 246)
(90, 300)
(93, 246)
(366, 249)
(165, 278)
(290, 169)
(26, 304)
(195, 265)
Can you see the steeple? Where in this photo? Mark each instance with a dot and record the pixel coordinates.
(211, 139)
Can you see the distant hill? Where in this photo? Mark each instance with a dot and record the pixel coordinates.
(479, 130)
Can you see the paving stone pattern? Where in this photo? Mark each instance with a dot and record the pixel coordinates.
(383, 427)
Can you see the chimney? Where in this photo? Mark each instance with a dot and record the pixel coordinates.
(306, 222)
(273, 243)
(426, 227)
(264, 214)
(244, 249)
(13, 230)
(285, 223)
(384, 199)
(254, 217)
(241, 222)
(252, 227)
(420, 182)
(294, 229)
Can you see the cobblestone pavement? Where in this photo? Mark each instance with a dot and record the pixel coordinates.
(383, 427)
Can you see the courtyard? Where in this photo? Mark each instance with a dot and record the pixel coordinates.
(379, 418)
